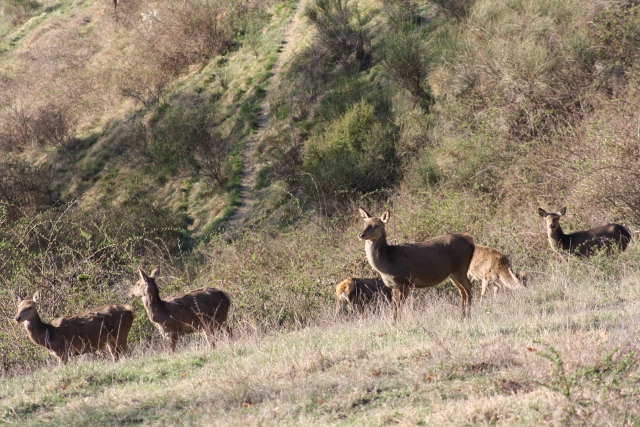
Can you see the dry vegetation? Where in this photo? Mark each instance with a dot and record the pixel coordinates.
(121, 142)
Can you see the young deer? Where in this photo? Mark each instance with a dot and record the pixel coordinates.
(585, 243)
(203, 309)
(86, 332)
(355, 294)
(420, 265)
(492, 266)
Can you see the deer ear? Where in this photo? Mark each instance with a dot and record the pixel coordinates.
(385, 216)
(155, 273)
(563, 211)
(18, 299)
(542, 213)
(364, 214)
(36, 296)
(143, 276)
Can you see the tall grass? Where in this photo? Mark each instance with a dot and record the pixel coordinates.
(559, 352)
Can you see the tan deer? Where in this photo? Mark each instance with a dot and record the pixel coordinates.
(419, 265)
(86, 332)
(492, 266)
(608, 237)
(202, 309)
(355, 294)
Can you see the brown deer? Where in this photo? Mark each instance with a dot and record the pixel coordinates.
(202, 309)
(492, 266)
(585, 243)
(86, 332)
(419, 265)
(355, 294)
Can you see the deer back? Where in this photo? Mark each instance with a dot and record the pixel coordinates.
(197, 308)
(609, 237)
(92, 329)
(428, 263)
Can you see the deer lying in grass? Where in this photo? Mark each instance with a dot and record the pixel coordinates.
(86, 332)
(492, 266)
(608, 237)
(355, 294)
(202, 309)
(420, 265)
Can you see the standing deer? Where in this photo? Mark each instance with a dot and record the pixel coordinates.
(492, 266)
(420, 265)
(355, 293)
(203, 309)
(584, 243)
(86, 332)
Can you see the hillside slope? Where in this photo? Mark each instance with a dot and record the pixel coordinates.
(561, 353)
(126, 136)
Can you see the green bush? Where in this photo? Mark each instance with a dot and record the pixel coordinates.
(183, 141)
(404, 56)
(342, 29)
(355, 154)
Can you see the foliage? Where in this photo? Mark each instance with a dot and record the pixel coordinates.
(458, 9)
(343, 31)
(18, 11)
(185, 141)
(406, 59)
(402, 14)
(598, 392)
(355, 154)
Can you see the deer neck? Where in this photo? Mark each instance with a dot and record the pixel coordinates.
(39, 332)
(153, 304)
(376, 251)
(556, 236)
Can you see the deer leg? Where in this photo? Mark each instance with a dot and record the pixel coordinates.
(495, 290)
(173, 338)
(398, 294)
(485, 283)
(464, 287)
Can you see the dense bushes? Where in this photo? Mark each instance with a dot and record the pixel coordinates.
(343, 31)
(354, 155)
(404, 56)
(184, 142)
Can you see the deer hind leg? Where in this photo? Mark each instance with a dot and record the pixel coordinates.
(464, 287)
(173, 340)
(398, 296)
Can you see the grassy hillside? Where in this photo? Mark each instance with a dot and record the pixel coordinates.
(128, 137)
(561, 353)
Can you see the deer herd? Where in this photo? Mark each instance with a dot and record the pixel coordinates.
(401, 267)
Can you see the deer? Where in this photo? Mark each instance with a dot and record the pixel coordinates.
(204, 309)
(82, 333)
(418, 265)
(492, 266)
(610, 237)
(354, 294)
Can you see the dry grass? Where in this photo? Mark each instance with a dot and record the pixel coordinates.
(430, 368)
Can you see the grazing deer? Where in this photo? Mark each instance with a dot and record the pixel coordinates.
(203, 309)
(420, 265)
(585, 243)
(86, 332)
(355, 293)
(492, 266)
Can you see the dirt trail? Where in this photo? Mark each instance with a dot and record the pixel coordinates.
(250, 165)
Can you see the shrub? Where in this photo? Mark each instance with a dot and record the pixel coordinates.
(343, 31)
(402, 14)
(18, 11)
(406, 59)
(24, 189)
(458, 9)
(183, 141)
(355, 154)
